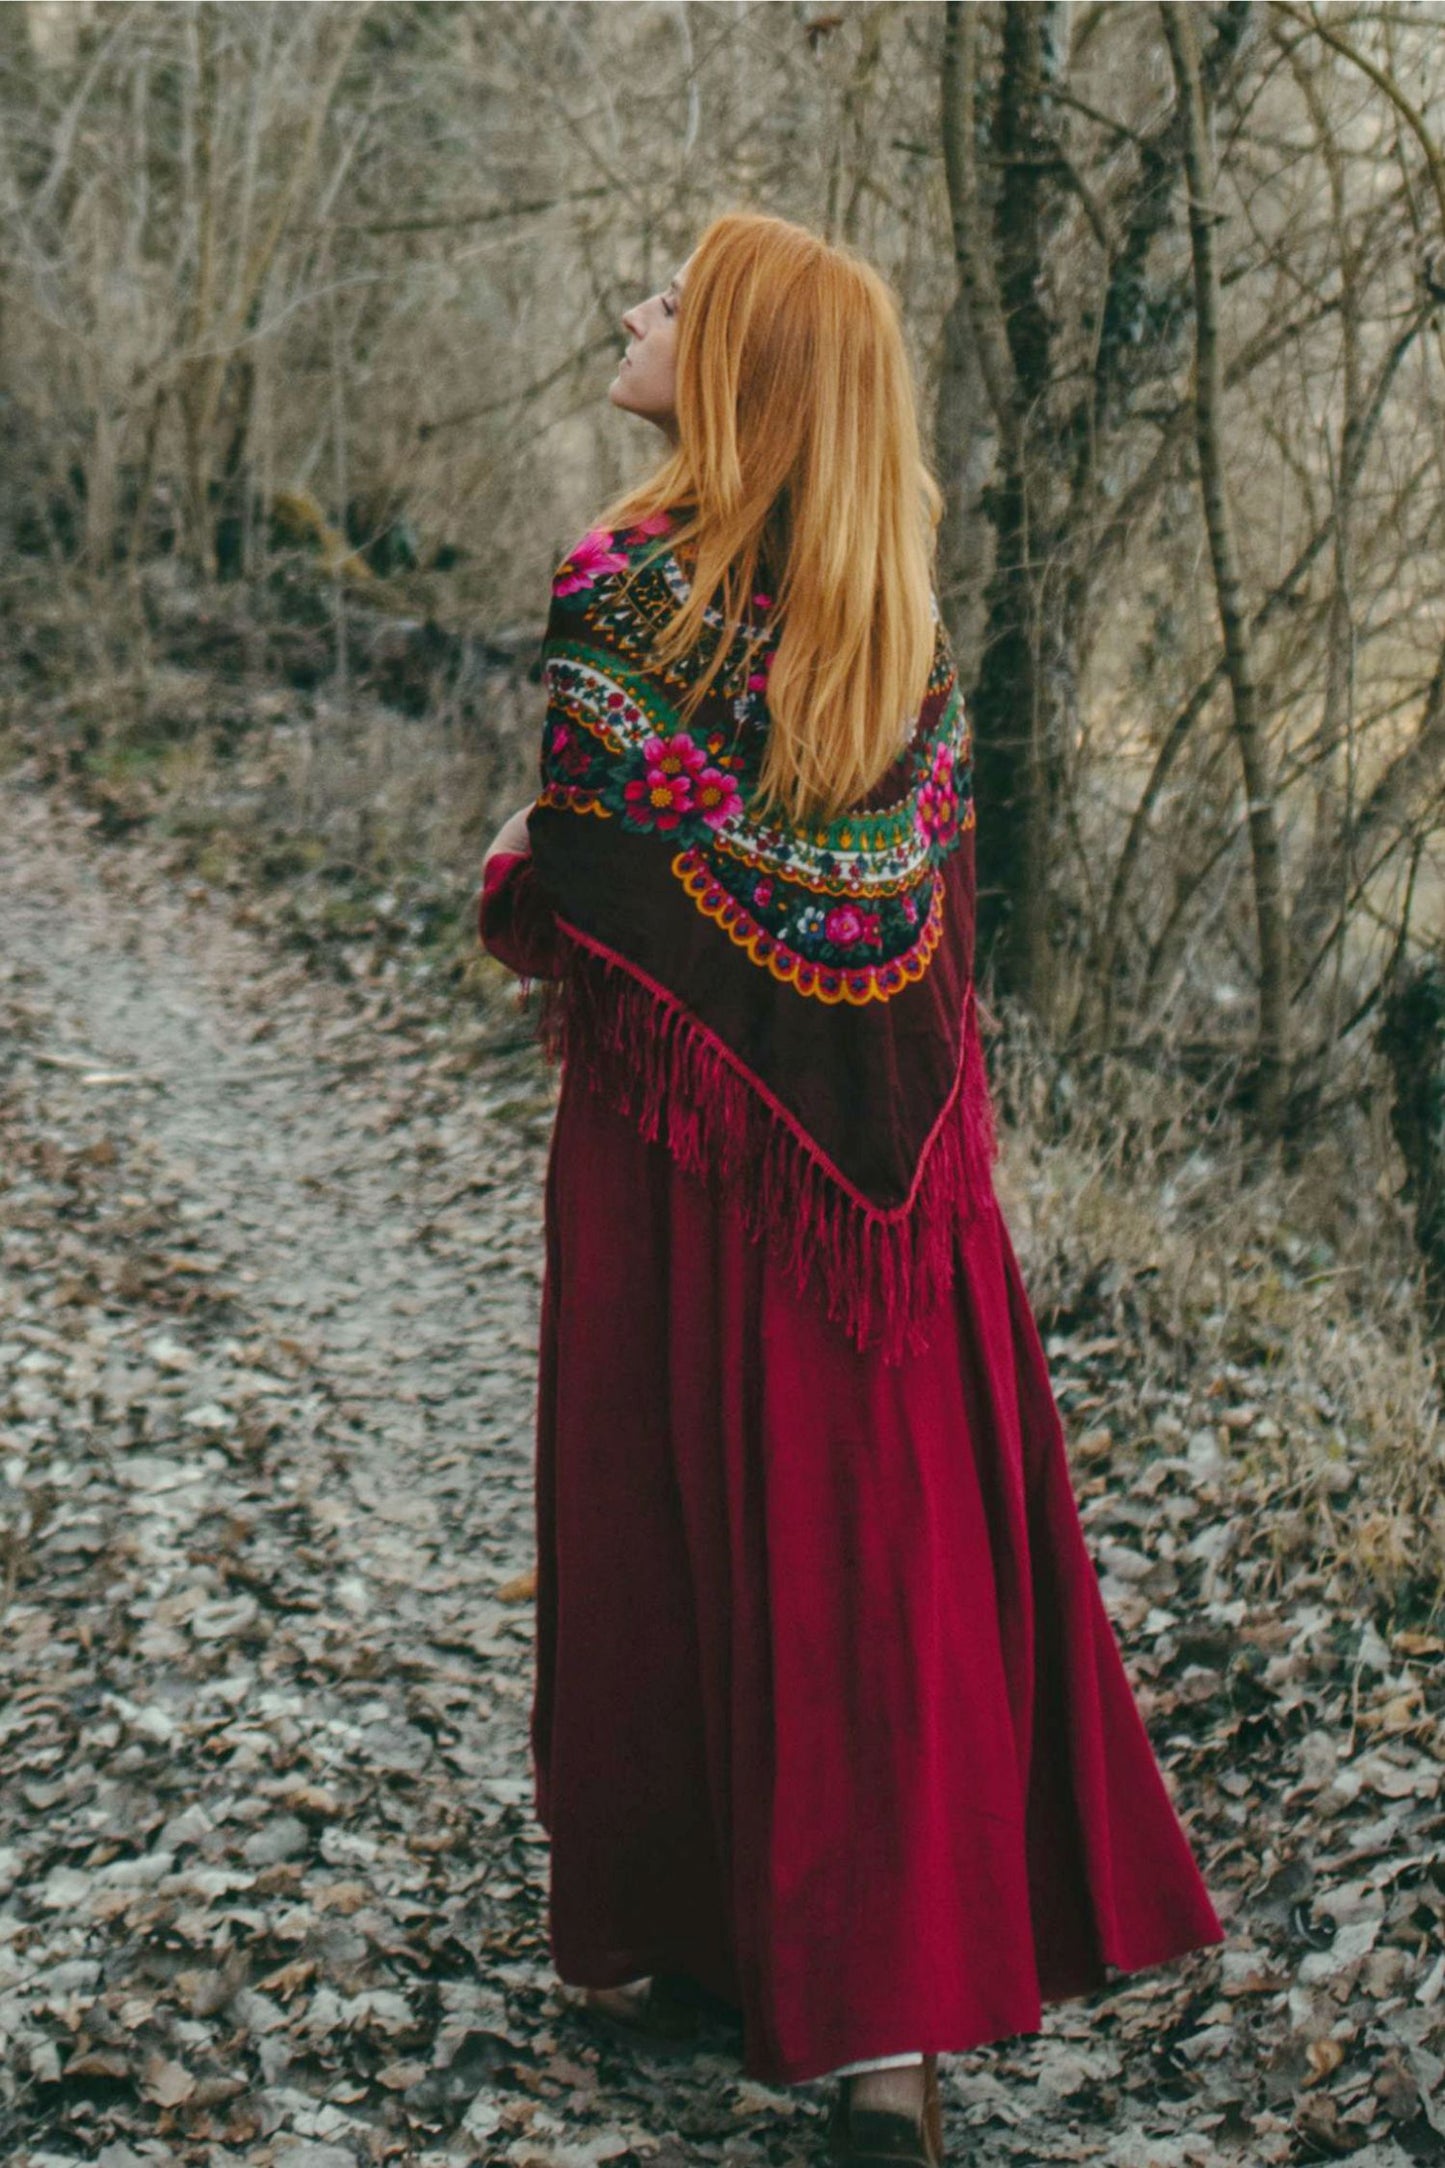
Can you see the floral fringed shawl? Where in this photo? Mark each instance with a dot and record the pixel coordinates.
(790, 1009)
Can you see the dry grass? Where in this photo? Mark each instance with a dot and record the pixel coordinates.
(1277, 1304)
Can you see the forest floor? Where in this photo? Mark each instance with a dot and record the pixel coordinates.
(271, 1891)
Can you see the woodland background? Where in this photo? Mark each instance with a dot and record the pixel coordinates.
(306, 316)
(306, 319)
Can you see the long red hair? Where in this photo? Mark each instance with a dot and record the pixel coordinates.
(799, 459)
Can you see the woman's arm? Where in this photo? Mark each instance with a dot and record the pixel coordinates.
(514, 917)
(511, 836)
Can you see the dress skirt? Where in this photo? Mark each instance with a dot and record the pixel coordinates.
(828, 1710)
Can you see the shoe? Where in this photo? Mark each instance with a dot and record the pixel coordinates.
(663, 2015)
(882, 2138)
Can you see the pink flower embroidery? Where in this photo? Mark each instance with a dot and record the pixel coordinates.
(655, 523)
(762, 891)
(843, 925)
(717, 796)
(677, 755)
(665, 793)
(937, 812)
(658, 800)
(586, 564)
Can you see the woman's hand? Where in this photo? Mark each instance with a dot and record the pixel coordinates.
(512, 835)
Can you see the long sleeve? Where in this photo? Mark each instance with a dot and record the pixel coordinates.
(514, 916)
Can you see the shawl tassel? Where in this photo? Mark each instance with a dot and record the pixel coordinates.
(881, 1273)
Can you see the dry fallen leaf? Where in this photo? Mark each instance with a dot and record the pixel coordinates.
(1324, 2058)
(398, 2077)
(165, 2082)
(288, 1980)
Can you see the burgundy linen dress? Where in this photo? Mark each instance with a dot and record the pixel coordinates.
(828, 1710)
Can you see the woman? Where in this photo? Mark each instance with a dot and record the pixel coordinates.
(830, 1725)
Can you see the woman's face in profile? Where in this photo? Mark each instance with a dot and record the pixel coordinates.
(644, 383)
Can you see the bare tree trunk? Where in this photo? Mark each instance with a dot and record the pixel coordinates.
(1280, 597)
(1334, 803)
(965, 448)
(218, 318)
(1013, 340)
(1411, 777)
(851, 170)
(1270, 918)
(973, 389)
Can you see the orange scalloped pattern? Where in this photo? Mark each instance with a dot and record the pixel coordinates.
(573, 799)
(825, 982)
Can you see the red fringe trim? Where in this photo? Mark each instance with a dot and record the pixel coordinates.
(879, 1273)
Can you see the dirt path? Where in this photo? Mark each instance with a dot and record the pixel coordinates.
(270, 1888)
(267, 1331)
